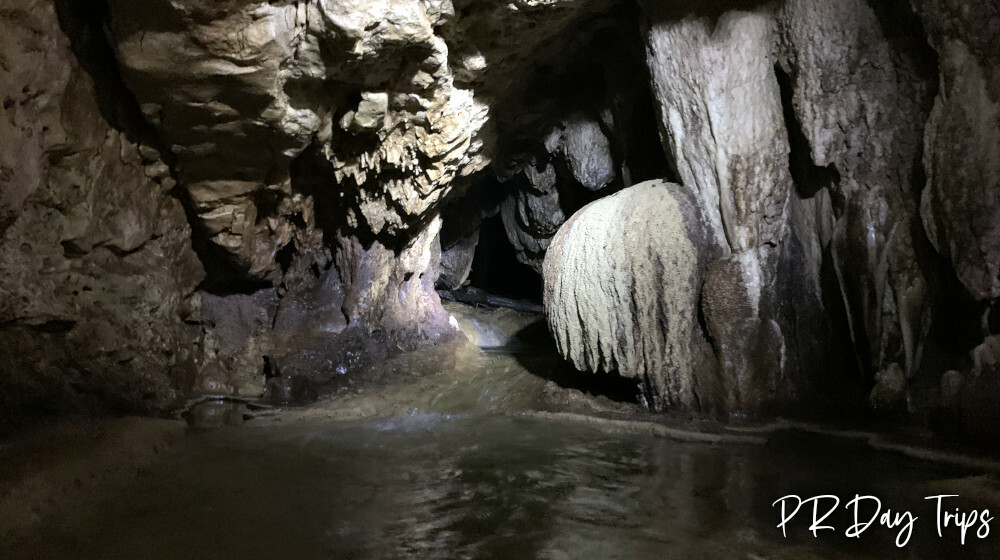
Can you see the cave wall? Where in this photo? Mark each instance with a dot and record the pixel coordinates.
(196, 198)
(96, 255)
(813, 134)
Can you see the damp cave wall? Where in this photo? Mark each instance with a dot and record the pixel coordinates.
(194, 197)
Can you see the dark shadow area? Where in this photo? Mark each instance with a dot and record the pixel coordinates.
(539, 357)
(594, 69)
(83, 21)
(495, 268)
(809, 178)
(461, 217)
(312, 175)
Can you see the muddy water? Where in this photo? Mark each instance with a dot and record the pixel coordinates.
(480, 486)
(450, 462)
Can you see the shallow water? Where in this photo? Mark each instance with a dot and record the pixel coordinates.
(488, 486)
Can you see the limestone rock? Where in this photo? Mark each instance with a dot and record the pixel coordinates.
(392, 94)
(456, 262)
(623, 278)
(533, 214)
(750, 350)
(393, 290)
(96, 257)
(236, 338)
(722, 127)
(721, 119)
(858, 73)
(960, 206)
(587, 152)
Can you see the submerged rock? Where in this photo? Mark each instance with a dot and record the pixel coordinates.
(623, 278)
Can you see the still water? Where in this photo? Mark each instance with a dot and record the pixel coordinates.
(432, 485)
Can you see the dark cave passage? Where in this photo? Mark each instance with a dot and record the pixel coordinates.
(495, 268)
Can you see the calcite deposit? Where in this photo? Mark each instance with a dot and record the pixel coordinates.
(257, 199)
(622, 284)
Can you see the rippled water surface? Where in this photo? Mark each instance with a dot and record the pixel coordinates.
(440, 486)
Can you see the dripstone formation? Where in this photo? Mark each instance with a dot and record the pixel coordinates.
(746, 207)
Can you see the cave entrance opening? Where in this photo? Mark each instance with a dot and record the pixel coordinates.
(496, 269)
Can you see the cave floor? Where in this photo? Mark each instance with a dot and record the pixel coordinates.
(469, 453)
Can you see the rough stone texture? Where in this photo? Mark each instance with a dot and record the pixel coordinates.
(859, 101)
(236, 336)
(961, 202)
(722, 127)
(622, 282)
(532, 214)
(96, 255)
(394, 290)
(586, 151)
(751, 352)
(842, 157)
(456, 262)
(389, 92)
(372, 303)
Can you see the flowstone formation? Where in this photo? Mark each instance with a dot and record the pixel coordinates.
(256, 197)
(810, 137)
(622, 283)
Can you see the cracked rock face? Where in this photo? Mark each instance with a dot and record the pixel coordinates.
(96, 255)
(390, 93)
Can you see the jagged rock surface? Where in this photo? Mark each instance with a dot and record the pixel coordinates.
(721, 121)
(389, 93)
(532, 214)
(96, 255)
(859, 102)
(843, 156)
(580, 130)
(622, 282)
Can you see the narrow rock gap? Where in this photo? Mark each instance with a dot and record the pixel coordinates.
(809, 178)
(84, 22)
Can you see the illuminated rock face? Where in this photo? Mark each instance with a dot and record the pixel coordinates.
(803, 132)
(395, 96)
(194, 196)
(623, 280)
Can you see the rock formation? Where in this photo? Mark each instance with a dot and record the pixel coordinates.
(96, 254)
(250, 196)
(622, 283)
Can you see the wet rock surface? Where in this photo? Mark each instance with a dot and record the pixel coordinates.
(622, 286)
(247, 198)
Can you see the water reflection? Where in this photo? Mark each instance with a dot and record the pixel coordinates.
(471, 486)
